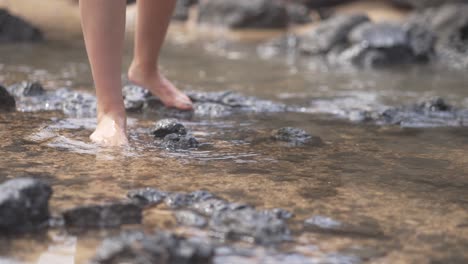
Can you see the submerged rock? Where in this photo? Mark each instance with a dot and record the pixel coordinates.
(102, 216)
(295, 136)
(329, 34)
(164, 248)
(7, 101)
(147, 196)
(179, 142)
(249, 224)
(14, 29)
(180, 200)
(189, 218)
(244, 13)
(298, 13)
(24, 205)
(165, 127)
(365, 228)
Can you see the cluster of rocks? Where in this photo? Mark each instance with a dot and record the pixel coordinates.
(24, 208)
(436, 35)
(14, 29)
(427, 113)
(273, 14)
(206, 104)
(225, 219)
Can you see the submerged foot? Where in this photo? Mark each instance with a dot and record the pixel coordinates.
(161, 87)
(110, 131)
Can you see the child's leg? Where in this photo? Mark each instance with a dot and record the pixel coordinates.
(103, 23)
(151, 26)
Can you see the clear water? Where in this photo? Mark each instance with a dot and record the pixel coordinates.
(412, 182)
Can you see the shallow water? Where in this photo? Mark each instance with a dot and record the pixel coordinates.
(405, 188)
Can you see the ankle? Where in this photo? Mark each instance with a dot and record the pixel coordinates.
(143, 71)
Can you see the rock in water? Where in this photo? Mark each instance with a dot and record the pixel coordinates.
(165, 127)
(250, 224)
(189, 218)
(161, 248)
(244, 13)
(102, 216)
(24, 205)
(147, 196)
(329, 34)
(27, 89)
(383, 44)
(179, 142)
(15, 29)
(295, 136)
(7, 101)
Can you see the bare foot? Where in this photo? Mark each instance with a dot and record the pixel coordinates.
(161, 87)
(110, 131)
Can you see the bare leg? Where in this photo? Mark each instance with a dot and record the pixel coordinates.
(151, 26)
(103, 23)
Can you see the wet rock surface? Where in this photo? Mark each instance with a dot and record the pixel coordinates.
(206, 104)
(383, 44)
(179, 142)
(295, 136)
(229, 221)
(435, 112)
(140, 248)
(14, 29)
(425, 3)
(324, 224)
(24, 205)
(147, 196)
(32, 97)
(244, 13)
(329, 34)
(165, 127)
(7, 101)
(450, 24)
(103, 216)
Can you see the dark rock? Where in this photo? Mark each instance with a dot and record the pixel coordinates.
(329, 34)
(180, 200)
(295, 136)
(298, 13)
(165, 127)
(249, 224)
(189, 218)
(134, 97)
(24, 205)
(7, 101)
(162, 248)
(384, 44)
(27, 89)
(320, 3)
(365, 227)
(244, 13)
(102, 216)
(147, 196)
(15, 29)
(179, 142)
